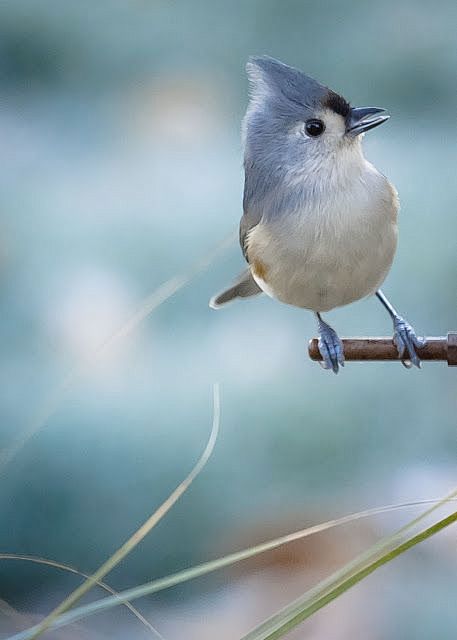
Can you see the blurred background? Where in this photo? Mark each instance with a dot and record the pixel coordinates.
(121, 167)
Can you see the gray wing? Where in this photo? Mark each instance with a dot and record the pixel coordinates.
(245, 286)
(250, 219)
(247, 223)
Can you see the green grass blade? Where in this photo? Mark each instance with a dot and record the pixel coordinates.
(140, 533)
(69, 569)
(208, 567)
(289, 617)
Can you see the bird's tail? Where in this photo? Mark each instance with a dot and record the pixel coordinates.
(244, 287)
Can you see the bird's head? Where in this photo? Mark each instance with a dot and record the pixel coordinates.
(291, 117)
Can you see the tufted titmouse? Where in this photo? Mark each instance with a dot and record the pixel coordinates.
(319, 228)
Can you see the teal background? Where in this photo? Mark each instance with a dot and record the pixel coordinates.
(120, 167)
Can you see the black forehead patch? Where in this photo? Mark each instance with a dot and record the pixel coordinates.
(337, 104)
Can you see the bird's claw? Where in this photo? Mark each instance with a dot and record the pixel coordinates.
(407, 342)
(330, 348)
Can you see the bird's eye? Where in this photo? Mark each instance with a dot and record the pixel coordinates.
(314, 128)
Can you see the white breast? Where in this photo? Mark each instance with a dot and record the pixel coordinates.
(333, 249)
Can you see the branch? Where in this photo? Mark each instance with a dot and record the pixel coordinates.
(442, 348)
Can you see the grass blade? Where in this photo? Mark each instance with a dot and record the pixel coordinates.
(149, 304)
(208, 567)
(289, 617)
(66, 567)
(139, 534)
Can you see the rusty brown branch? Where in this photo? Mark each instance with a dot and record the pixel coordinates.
(441, 348)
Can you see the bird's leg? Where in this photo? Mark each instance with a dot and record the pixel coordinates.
(330, 346)
(404, 338)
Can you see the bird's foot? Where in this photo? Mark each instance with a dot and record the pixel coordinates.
(330, 347)
(406, 341)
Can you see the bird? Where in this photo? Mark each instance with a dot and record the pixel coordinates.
(319, 224)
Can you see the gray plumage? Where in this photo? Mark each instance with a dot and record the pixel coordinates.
(319, 224)
(280, 98)
(244, 287)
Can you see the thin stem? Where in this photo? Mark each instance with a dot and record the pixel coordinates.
(140, 533)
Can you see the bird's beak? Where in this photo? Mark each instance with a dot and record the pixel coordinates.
(363, 119)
